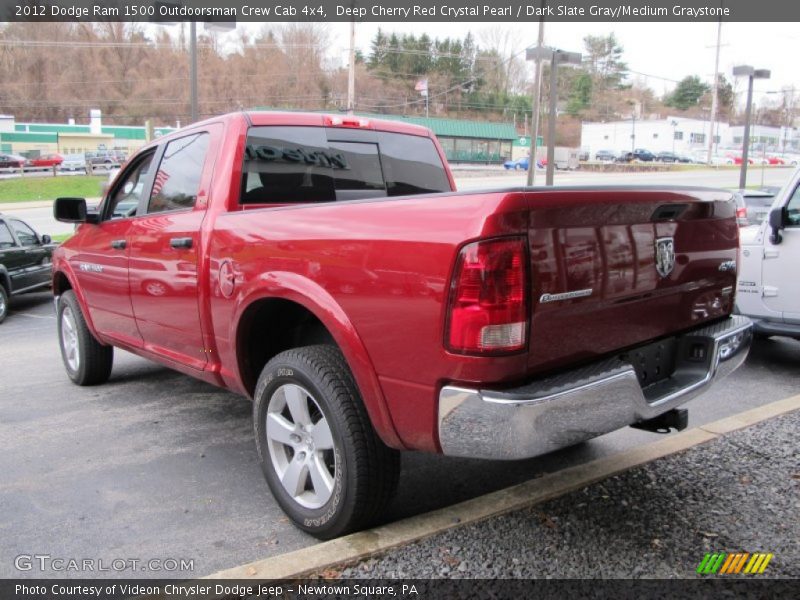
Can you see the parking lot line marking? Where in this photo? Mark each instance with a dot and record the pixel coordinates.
(357, 546)
(21, 314)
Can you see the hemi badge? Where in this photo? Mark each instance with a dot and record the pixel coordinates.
(565, 296)
(91, 268)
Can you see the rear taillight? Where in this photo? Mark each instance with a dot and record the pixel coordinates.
(488, 309)
(741, 216)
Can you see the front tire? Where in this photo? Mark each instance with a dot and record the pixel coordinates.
(3, 303)
(323, 461)
(87, 361)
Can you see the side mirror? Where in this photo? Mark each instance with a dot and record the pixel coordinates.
(777, 221)
(46, 239)
(73, 210)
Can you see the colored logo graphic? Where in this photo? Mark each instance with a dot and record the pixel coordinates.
(723, 563)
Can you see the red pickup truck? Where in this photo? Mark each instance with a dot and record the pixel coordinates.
(326, 267)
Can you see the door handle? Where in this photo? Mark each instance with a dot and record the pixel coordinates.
(119, 244)
(185, 242)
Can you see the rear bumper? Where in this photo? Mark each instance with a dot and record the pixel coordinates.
(562, 410)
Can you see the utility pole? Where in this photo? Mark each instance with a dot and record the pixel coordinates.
(537, 92)
(555, 57)
(714, 93)
(551, 122)
(193, 69)
(351, 79)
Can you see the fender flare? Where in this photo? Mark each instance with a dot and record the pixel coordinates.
(310, 295)
(62, 267)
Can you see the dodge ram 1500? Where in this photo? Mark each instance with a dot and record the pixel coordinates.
(326, 267)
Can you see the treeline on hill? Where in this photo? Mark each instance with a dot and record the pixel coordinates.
(56, 71)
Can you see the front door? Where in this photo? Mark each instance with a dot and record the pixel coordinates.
(101, 261)
(164, 254)
(781, 284)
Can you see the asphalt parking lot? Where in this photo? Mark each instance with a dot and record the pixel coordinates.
(156, 465)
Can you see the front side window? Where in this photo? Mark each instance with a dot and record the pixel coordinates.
(128, 192)
(25, 235)
(177, 181)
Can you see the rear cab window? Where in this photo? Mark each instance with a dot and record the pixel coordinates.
(286, 165)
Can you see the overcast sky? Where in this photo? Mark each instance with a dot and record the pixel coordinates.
(668, 50)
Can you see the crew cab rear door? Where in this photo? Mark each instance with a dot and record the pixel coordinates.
(164, 251)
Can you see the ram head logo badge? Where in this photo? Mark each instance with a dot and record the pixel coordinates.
(665, 256)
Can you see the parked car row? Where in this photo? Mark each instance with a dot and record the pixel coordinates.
(641, 155)
(108, 159)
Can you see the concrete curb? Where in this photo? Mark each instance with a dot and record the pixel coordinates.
(354, 547)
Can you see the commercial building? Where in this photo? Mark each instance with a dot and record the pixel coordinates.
(468, 141)
(70, 138)
(672, 134)
(684, 136)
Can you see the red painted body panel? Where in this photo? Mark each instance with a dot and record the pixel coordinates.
(377, 274)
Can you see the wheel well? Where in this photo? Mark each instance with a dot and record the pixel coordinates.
(270, 326)
(4, 282)
(60, 284)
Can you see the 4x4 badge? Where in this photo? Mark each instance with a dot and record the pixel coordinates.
(665, 256)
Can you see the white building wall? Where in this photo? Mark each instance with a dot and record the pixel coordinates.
(673, 134)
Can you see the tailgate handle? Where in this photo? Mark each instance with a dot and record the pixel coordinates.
(181, 242)
(119, 244)
(668, 212)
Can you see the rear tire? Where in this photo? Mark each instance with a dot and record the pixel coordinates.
(327, 468)
(87, 361)
(3, 303)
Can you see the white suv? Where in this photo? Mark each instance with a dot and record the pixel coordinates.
(768, 289)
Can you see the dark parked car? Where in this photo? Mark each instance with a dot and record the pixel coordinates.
(25, 260)
(643, 155)
(12, 161)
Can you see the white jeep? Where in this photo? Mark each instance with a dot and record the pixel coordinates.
(768, 289)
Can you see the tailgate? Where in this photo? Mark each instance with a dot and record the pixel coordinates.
(662, 262)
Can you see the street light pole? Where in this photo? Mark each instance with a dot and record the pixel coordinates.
(751, 74)
(714, 95)
(351, 74)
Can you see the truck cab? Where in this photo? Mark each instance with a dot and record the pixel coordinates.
(768, 289)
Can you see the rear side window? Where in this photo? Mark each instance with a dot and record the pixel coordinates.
(303, 164)
(177, 180)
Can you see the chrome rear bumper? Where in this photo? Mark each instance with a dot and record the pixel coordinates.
(562, 410)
